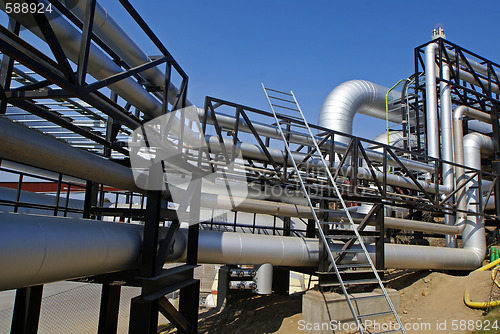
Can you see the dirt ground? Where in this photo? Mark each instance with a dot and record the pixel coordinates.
(427, 300)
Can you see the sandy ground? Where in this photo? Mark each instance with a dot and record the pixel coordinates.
(431, 299)
(430, 302)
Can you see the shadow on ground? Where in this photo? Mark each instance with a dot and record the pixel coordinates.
(246, 312)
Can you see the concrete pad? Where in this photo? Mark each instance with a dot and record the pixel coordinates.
(321, 310)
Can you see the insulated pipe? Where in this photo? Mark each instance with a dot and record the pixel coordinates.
(347, 99)
(303, 138)
(99, 66)
(480, 68)
(43, 249)
(447, 144)
(431, 101)
(255, 152)
(458, 144)
(27, 146)
(123, 45)
(473, 236)
(264, 279)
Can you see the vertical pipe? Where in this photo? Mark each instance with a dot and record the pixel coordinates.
(431, 101)
(264, 279)
(447, 144)
(473, 236)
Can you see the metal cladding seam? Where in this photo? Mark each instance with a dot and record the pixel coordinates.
(43, 249)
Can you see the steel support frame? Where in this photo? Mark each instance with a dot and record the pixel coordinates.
(155, 281)
(27, 310)
(421, 199)
(479, 95)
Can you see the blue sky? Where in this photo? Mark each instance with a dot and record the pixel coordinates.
(229, 47)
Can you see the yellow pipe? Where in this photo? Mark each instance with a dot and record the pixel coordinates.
(489, 265)
(489, 304)
(472, 304)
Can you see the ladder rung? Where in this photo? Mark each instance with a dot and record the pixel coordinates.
(346, 266)
(278, 98)
(277, 91)
(352, 282)
(348, 251)
(374, 314)
(366, 297)
(277, 105)
(362, 281)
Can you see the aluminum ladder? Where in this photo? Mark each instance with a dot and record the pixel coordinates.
(287, 102)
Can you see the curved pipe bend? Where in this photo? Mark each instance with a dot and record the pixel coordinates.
(349, 98)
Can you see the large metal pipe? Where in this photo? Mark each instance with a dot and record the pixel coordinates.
(431, 101)
(99, 66)
(106, 28)
(349, 98)
(27, 146)
(24, 145)
(447, 144)
(303, 138)
(43, 249)
(458, 144)
(473, 236)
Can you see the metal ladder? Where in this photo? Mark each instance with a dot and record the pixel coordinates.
(288, 102)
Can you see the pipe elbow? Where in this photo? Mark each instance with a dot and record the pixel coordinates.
(478, 142)
(349, 98)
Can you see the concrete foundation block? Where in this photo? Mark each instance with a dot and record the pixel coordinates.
(321, 310)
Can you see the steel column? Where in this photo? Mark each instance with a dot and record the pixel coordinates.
(27, 310)
(110, 306)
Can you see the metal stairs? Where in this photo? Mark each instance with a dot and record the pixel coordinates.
(337, 274)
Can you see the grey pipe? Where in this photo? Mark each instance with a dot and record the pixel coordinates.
(255, 152)
(122, 44)
(479, 68)
(458, 144)
(447, 145)
(264, 279)
(30, 147)
(431, 101)
(347, 99)
(303, 138)
(473, 236)
(42, 249)
(27, 146)
(99, 66)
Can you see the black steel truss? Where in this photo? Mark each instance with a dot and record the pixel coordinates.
(55, 82)
(356, 187)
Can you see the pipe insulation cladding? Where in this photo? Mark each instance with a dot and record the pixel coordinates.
(349, 98)
(43, 249)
